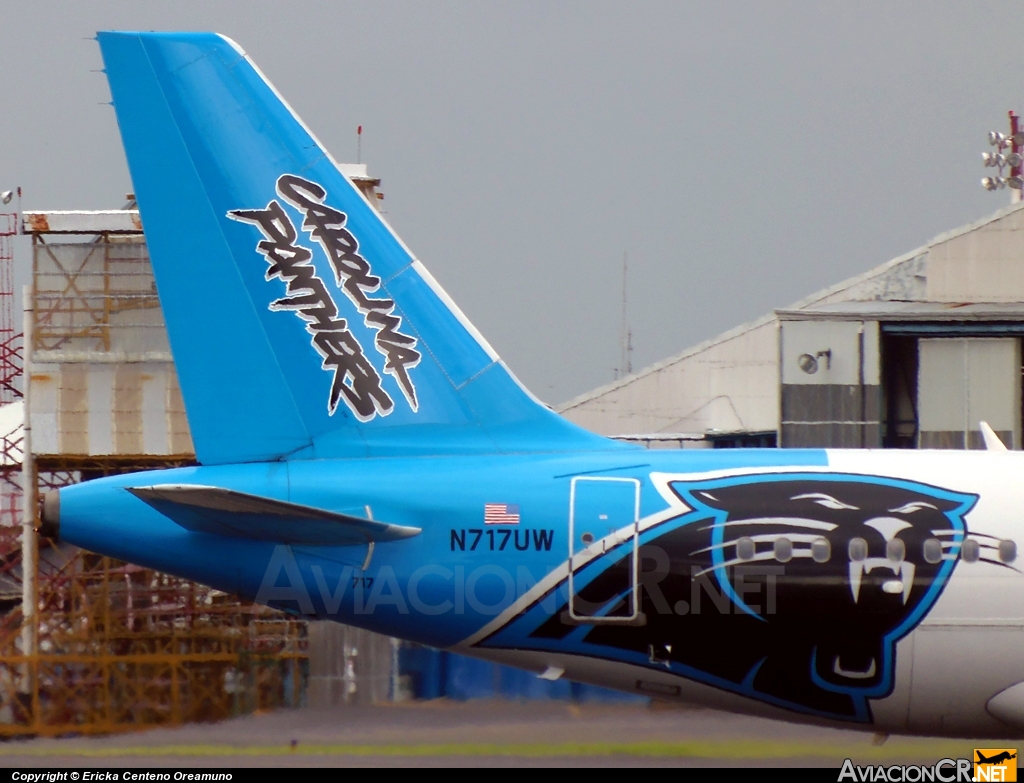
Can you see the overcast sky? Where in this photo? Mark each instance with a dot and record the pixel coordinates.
(744, 155)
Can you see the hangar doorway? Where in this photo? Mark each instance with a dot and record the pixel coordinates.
(964, 381)
(938, 386)
(899, 391)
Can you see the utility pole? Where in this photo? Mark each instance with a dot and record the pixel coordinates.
(626, 334)
(29, 510)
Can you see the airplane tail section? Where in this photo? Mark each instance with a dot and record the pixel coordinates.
(300, 324)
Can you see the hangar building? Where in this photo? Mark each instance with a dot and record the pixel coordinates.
(912, 354)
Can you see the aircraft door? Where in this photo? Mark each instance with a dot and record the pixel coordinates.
(604, 514)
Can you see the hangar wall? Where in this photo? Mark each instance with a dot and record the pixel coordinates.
(981, 263)
(725, 385)
(830, 383)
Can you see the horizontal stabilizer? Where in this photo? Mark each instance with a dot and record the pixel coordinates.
(228, 513)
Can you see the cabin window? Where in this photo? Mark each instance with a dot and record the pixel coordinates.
(858, 549)
(932, 550)
(970, 551)
(745, 548)
(1007, 551)
(783, 550)
(821, 550)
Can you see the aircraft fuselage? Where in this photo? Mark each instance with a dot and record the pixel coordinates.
(879, 588)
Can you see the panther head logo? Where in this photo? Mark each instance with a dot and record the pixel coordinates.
(861, 563)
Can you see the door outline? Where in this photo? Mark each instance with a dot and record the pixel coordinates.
(635, 615)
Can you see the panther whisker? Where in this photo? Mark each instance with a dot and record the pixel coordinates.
(737, 561)
(998, 563)
(812, 524)
(951, 544)
(768, 538)
(961, 532)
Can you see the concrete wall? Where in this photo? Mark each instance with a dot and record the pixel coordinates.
(831, 392)
(108, 409)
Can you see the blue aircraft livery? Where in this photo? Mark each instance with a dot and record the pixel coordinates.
(365, 456)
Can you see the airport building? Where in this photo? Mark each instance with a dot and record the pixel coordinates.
(911, 354)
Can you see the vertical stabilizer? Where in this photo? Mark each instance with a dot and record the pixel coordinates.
(300, 324)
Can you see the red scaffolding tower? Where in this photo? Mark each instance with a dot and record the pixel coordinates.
(10, 378)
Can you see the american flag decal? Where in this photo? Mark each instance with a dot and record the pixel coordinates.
(501, 514)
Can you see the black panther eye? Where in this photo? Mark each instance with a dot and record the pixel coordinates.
(910, 508)
(825, 500)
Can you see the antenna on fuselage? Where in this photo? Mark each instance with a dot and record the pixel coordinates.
(992, 441)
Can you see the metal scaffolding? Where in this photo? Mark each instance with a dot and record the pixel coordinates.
(89, 644)
(95, 297)
(122, 648)
(10, 378)
(10, 340)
